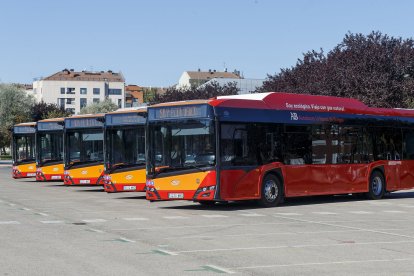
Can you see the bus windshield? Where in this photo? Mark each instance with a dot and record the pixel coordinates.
(125, 147)
(24, 148)
(84, 146)
(51, 147)
(177, 145)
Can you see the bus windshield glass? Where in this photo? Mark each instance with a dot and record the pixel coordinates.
(125, 147)
(177, 145)
(24, 148)
(84, 146)
(51, 147)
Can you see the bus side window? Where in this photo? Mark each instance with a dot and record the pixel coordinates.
(298, 141)
(408, 144)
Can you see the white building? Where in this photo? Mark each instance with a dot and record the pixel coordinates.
(245, 86)
(74, 90)
(190, 79)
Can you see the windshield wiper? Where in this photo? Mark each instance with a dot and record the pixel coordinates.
(50, 161)
(82, 162)
(194, 167)
(124, 165)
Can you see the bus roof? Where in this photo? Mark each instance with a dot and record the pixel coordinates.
(129, 110)
(86, 116)
(26, 124)
(189, 102)
(304, 102)
(52, 120)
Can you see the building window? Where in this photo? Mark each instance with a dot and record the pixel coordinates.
(83, 91)
(96, 91)
(61, 102)
(62, 90)
(82, 102)
(95, 100)
(71, 110)
(114, 91)
(70, 90)
(70, 101)
(119, 103)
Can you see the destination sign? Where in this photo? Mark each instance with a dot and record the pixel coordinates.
(82, 122)
(177, 112)
(24, 129)
(125, 119)
(43, 126)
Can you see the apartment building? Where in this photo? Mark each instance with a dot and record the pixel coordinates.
(74, 90)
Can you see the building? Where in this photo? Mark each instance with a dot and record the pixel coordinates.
(191, 79)
(75, 90)
(245, 86)
(134, 95)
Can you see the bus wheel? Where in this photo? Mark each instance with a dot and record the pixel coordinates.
(207, 203)
(272, 191)
(376, 185)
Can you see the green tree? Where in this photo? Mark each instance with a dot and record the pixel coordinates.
(15, 107)
(44, 110)
(102, 107)
(376, 69)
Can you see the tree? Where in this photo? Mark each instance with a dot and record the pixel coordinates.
(376, 69)
(44, 110)
(202, 92)
(102, 107)
(15, 107)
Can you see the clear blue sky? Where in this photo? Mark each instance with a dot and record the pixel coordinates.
(153, 41)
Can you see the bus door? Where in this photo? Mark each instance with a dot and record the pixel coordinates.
(307, 172)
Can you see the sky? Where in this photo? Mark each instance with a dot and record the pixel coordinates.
(152, 42)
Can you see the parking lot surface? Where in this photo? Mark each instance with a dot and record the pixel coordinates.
(47, 228)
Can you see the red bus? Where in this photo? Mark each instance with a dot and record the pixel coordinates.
(23, 150)
(269, 146)
(124, 150)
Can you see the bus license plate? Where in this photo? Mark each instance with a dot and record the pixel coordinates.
(130, 188)
(56, 177)
(85, 181)
(31, 174)
(175, 195)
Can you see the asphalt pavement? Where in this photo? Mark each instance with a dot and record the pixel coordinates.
(50, 229)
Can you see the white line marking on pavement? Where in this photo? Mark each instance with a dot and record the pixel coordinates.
(218, 269)
(407, 206)
(42, 214)
(9, 222)
(324, 213)
(165, 252)
(125, 239)
(175, 217)
(52, 221)
(325, 263)
(289, 214)
(394, 211)
(289, 246)
(361, 212)
(11, 204)
(214, 216)
(26, 209)
(95, 230)
(93, 220)
(133, 219)
(252, 215)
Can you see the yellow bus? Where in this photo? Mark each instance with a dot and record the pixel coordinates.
(83, 150)
(124, 149)
(23, 150)
(49, 149)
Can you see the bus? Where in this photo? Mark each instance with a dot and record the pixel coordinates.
(268, 146)
(49, 149)
(23, 150)
(124, 149)
(83, 150)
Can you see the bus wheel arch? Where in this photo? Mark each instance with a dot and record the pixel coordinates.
(272, 189)
(377, 184)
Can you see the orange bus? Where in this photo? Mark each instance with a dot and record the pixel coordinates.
(125, 150)
(269, 146)
(83, 150)
(23, 150)
(49, 149)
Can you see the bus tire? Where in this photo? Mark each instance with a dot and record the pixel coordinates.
(207, 203)
(376, 185)
(272, 191)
